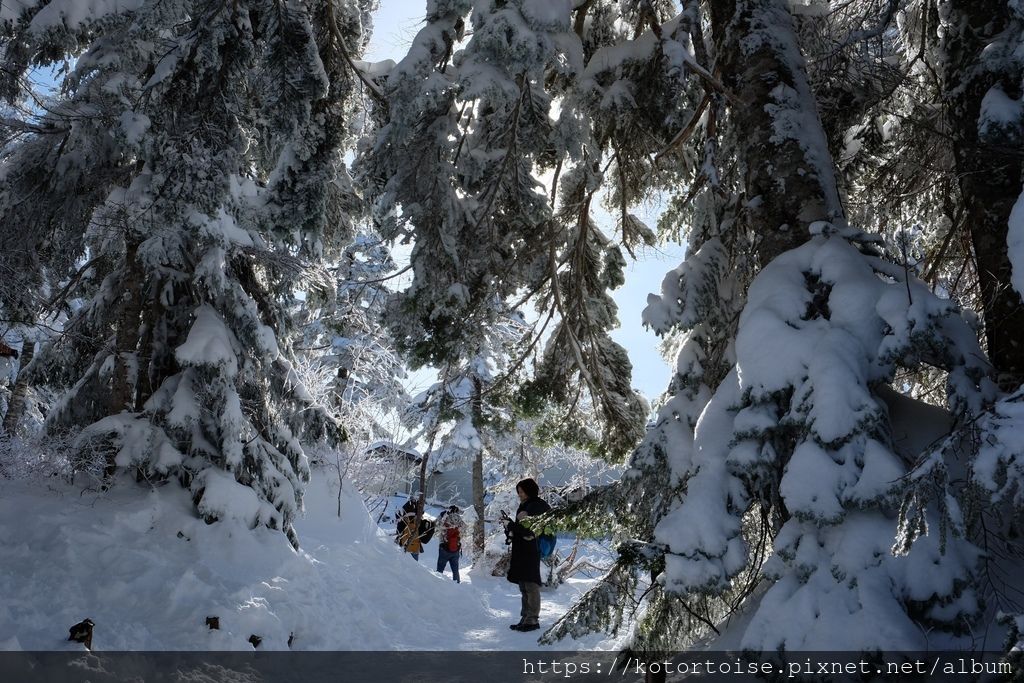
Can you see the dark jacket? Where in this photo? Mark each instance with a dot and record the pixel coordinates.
(525, 561)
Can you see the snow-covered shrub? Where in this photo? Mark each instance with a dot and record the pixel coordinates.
(974, 480)
(797, 436)
(40, 457)
(997, 468)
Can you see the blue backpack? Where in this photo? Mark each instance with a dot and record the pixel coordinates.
(546, 545)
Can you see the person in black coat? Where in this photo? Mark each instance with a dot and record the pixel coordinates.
(524, 565)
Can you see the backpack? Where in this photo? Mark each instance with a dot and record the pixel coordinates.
(428, 531)
(452, 540)
(407, 536)
(546, 545)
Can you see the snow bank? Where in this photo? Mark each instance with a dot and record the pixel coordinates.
(148, 572)
(143, 566)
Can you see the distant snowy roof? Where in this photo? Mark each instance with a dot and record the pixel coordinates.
(385, 445)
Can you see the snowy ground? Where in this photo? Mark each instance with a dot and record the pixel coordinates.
(148, 572)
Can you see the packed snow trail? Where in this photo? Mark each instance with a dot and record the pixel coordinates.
(148, 572)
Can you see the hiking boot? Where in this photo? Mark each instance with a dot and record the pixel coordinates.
(528, 627)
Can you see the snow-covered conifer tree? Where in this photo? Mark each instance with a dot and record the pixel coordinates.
(198, 147)
(463, 413)
(344, 338)
(774, 455)
(468, 132)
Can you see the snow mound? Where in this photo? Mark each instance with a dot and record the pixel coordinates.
(148, 572)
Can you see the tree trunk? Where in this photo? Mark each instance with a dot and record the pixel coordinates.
(989, 175)
(126, 343)
(790, 176)
(125, 379)
(19, 395)
(479, 537)
(151, 371)
(421, 501)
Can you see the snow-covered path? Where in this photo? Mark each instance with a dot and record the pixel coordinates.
(499, 600)
(148, 572)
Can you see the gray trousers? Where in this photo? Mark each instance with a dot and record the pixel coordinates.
(531, 602)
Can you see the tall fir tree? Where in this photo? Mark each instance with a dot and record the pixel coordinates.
(199, 146)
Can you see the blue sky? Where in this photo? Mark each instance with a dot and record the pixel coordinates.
(395, 24)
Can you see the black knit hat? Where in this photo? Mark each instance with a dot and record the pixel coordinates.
(529, 487)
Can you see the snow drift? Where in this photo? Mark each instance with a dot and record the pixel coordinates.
(148, 572)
